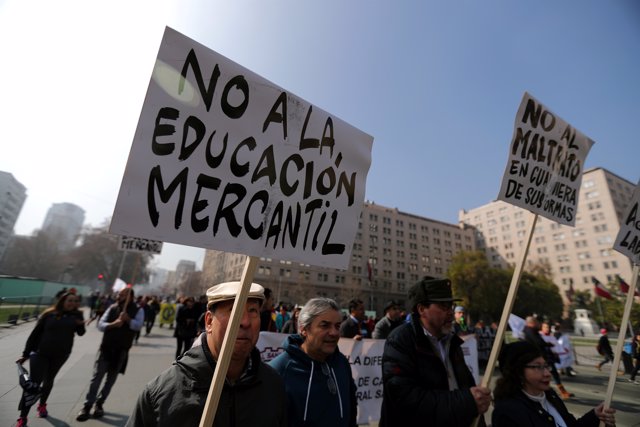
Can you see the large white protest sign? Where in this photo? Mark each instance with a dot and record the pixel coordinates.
(545, 164)
(136, 244)
(365, 357)
(628, 239)
(224, 159)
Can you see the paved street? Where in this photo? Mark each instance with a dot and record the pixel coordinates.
(154, 353)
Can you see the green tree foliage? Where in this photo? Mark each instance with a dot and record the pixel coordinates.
(608, 313)
(484, 289)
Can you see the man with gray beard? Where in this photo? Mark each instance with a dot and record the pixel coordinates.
(425, 377)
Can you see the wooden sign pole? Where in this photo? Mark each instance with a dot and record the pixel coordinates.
(508, 306)
(222, 364)
(617, 355)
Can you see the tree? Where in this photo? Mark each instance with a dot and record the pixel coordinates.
(484, 289)
(35, 256)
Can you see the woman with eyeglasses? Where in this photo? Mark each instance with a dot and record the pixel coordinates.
(317, 377)
(523, 395)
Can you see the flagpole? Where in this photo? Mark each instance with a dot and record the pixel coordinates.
(600, 310)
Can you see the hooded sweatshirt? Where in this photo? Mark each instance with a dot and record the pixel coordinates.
(313, 400)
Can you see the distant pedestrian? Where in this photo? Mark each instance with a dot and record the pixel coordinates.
(151, 311)
(282, 317)
(186, 326)
(389, 321)
(354, 326)
(604, 349)
(119, 323)
(635, 352)
(291, 325)
(49, 346)
(267, 318)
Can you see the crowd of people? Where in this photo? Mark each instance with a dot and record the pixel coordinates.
(424, 373)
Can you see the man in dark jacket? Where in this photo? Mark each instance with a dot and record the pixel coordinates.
(119, 323)
(353, 326)
(389, 321)
(426, 380)
(253, 393)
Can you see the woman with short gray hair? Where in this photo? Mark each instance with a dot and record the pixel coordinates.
(317, 377)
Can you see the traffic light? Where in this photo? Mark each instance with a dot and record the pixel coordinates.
(100, 276)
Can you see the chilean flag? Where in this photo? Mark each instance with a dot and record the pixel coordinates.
(624, 287)
(600, 290)
(369, 270)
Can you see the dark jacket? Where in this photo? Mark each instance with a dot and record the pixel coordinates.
(309, 399)
(178, 395)
(604, 346)
(350, 328)
(416, 386)
(53, 335)
(186, 322)
(523, 412)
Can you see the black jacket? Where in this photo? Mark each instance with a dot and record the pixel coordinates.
(53, 334)
(416, 388)
(523, 412)
(178, 395)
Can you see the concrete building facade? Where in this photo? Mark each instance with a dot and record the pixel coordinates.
(574, 254)
(64, 223)
(392, 250)
(12, 197)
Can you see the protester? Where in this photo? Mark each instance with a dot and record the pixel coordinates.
(291, 325)
(635, 353)
(564, 350)
(460, 325)
(523, 396)
(531, 334)
(604, 349)
(389, 321)
(317, 377)
(282, 317)
(253, 393)
(425, 377)
(267, 321)
(152, 308)
(186, 326)
(48, 347)
(119, 323)
(353, 326)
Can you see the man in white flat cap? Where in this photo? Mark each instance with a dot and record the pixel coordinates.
(253, 393)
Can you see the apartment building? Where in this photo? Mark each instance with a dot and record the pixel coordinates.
(12, 197)
(64, 223)
(575, 254)
(392, 250)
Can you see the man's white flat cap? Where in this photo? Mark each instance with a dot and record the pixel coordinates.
(228, 291)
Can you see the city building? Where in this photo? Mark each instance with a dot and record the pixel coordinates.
(12, 197)
(64, 223)
(392, 250)
(574, 254)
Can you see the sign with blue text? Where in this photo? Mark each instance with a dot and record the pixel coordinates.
(628, 239)
(224, 159)
(546, 161)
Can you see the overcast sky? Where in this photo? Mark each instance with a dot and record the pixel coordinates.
(437, 84)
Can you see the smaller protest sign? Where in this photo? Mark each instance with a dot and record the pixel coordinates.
(136, 244)
(628, 239)
(546, 160)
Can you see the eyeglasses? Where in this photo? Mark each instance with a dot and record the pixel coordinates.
(333, 389)
(445, 306)
(541, 368)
